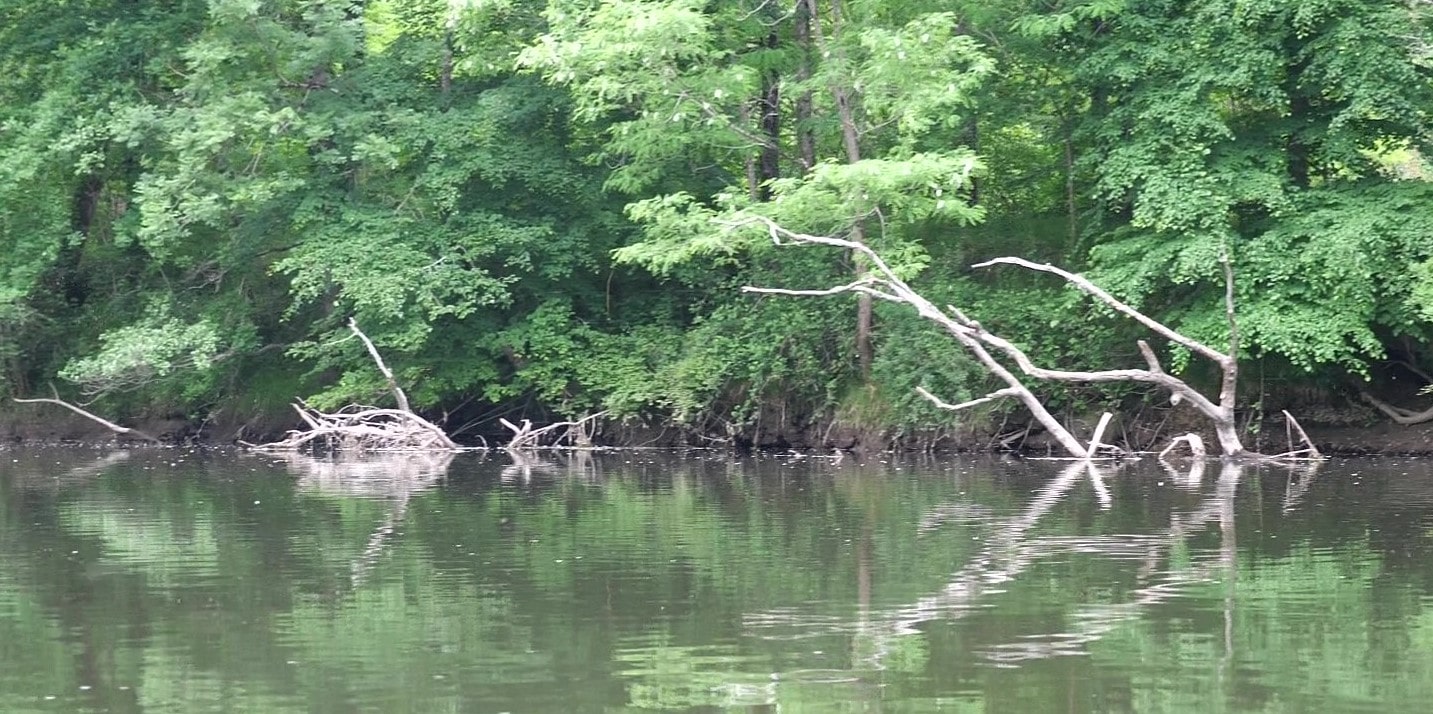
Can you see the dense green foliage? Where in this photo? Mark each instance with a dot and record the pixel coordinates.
(523, 202)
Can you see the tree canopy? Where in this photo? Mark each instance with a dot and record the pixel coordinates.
(526, 203)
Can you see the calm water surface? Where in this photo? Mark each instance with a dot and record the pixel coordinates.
(175, 581)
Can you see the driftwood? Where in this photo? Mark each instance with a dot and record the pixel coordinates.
(360, 428)
(1308, 451)
(526, 437)
(116, 428)
(357, 428)
(883, 283)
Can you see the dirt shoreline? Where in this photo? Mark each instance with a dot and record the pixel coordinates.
(1384, 439)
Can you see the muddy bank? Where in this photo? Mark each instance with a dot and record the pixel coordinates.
(1131, 431)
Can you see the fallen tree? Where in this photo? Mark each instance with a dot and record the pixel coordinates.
(116, 428)
(883, 283)
(362, 428)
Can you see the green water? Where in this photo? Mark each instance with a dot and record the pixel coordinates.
(174, 581)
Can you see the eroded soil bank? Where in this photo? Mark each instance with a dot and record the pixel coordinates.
(1378, 438)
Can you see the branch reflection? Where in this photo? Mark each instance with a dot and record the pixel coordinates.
(1013, 548)
(393, 477)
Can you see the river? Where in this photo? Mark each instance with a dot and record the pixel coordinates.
(197, 581)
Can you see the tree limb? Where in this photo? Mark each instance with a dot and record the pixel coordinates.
(1196, 446)
(901, 292)
(1120, 306)
(1221, 414)
(122, 430)
(998, 394)
(1096, 441)
(1310, 451)
(527, 437)
(393, 387)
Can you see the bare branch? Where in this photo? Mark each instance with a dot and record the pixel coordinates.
(1221, 414)
(998, 394)
(393, 387)
(121, 430)
(863, 286)
(1090, 288)
(781, 236)
(1095, 441)
(1161, 378)
(883, 282)
(1149, 357)
(1311, 450)
(526, 437)
(960, 328)
(1196, 446)
(364, 429)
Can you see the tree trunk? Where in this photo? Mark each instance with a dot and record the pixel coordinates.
(770, 107)
(749, 162)
(972, 140)
(851, 141)
(805, 137)
(1072, 215)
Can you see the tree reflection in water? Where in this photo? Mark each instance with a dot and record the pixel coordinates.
(1012, 549)
(390, 476)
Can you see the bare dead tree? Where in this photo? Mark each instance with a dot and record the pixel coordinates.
(359, 428)
(116, 428)
(885, 284)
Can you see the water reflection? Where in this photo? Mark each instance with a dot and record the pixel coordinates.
(524, 466)
(1155, 584)
(171, 581)
(392, 475)
(60, 468)
(1010, 549)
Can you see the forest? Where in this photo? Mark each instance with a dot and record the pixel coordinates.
(548, 209)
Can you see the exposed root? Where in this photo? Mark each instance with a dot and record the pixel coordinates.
(1406, 417)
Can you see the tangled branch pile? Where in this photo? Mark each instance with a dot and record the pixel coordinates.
(360, 428)
(357, 428)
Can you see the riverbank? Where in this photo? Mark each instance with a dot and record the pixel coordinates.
(1350, 439)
